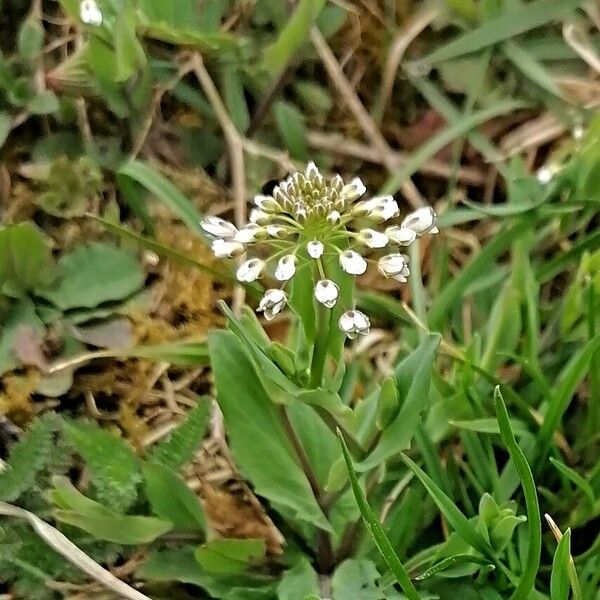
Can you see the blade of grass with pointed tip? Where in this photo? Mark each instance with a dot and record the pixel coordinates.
(448, 508)
(575, 478)
(559, 579)
(534, 523)
(381, 540)
(513, 22)
(158, 185)
(459, 128)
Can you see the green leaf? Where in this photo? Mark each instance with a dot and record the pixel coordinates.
(292, 127)
(413, 378)
(5, 125)
(100, 521)
(129, 53)
(575, 478)
(25, 258)
(30, 39)
(489, 426)
(512, 22)
(91, 275)
(43, 103)
(452, 561)
(229, 556)
(181, 445)
(259, 444)
(374, 526)
(158, 185)
(172, 499)
(534, 526)
(294, 34)
(454, 516)
(27, 458)
(355, 579)
(112, 463)
(297, 583)
(559, 580)
(234, 97)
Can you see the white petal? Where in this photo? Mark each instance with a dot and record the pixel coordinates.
(226, 249)
(354, 322)
(266, 203)
(272, 303)
(218, 227)
(326, 292)
(286, 268)
(347, 322)
(249, 234)
(274, 230)
(421, 221)
(354, 190)
(544, 175)
(315, 249)
(312, 172)
(373, 238)
(352, 262)
(361, 322)
(259, 216)
(250, 270)
(89, 13)
(392, 265)
(401, 235)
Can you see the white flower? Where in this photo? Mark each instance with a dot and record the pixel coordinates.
(421, 221)
(249, 234)
(286, 267)
(250, 270)
(545, 175)
(327, 292)
(401, 235)
(353, 190)
(226, 249)
(352, 262)
(266, 203)
(312, 172)
(381, 208)
(315, 249)
(217, 227)
(274, 230)
(373, 238)
(394, 265)
(353, 323)
(259, 216)
(272, 303)
(89, 13)
(334, 217)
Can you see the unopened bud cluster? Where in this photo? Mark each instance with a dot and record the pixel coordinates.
(309, 217)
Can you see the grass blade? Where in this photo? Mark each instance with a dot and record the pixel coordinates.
(454, 516)
(381, 540)
(534, 523)
(164, 190)
(559, 580)
(575, 478)
(505, 26)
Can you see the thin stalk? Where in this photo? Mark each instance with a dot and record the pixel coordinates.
(320, 348)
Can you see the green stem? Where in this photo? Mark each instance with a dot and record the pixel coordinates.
(320, 348)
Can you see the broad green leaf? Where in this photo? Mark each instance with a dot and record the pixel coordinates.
(559, 580)
(510, 23)
(294, 34)
(229, 556)
(355, 579)
(297, 583)
(160, 187)
(91, 275)
(25, 258)
(374, 526)
(259, 444)
(112, 463)
(172, 499)
(534, 526)
(100, 521)
(413, 378)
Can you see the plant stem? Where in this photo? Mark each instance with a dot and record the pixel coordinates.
(320, 348)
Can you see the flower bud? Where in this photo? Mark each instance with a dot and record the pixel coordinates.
(217, 227)
(226, 249)
(421, 221)
(315, 249)
(353, 323)
(250, 270)
(249, 234)
(372, 238)
(286, 267)
(395, 266)
(272, 303)
(352, 262)
(327, 292)
(402, 236)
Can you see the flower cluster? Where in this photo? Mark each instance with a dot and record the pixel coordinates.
(309, 217)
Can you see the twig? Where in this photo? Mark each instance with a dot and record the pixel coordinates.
(236, 154)
(360, 113)
(338, 144)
